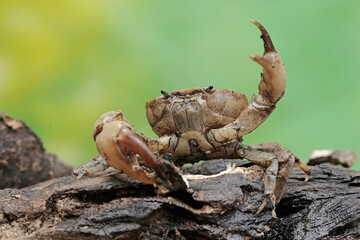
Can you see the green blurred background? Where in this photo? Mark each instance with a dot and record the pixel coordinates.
(64, 63)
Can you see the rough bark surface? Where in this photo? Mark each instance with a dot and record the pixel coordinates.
(112, 206)
(23, 160)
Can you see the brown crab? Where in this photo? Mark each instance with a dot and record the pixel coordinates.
(198, 124)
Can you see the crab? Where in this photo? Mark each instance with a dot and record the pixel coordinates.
(199, 124)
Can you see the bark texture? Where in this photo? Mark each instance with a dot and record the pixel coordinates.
(112, 206)
(23, 160)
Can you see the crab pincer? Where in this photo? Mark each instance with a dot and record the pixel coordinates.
(271, 89)
(118, 144)
(273, 78)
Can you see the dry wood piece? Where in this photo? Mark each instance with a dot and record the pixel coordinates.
(113, 206)
(345, 158)
(23, 160)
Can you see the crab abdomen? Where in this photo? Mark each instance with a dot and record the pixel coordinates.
(195, 109)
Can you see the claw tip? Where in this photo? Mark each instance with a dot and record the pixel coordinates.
(252, 20)
(268, 45)
(256, 23)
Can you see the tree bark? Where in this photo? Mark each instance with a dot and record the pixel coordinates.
(23, 160)
(112, 206)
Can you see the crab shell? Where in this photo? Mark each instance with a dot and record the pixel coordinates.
(194, 109)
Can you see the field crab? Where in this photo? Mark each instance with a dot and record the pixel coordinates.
(198, 124)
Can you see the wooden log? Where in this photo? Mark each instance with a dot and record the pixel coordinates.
(345, 158)
(23, 160)
(110, 205)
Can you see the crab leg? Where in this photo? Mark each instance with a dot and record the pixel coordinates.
(96, 164)
(270, 185)
(279, 162)
(271, 89)
(270, 161)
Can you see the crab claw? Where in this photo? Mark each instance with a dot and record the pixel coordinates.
(273, 78)
(118, 143)
(271, 89)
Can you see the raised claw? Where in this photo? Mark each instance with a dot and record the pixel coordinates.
(273, 78)
(271, 89)
(268, 45)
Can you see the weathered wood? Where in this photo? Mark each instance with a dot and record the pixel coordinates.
(110, 205)
(113, 206)
(23, 160)
(345, 158)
